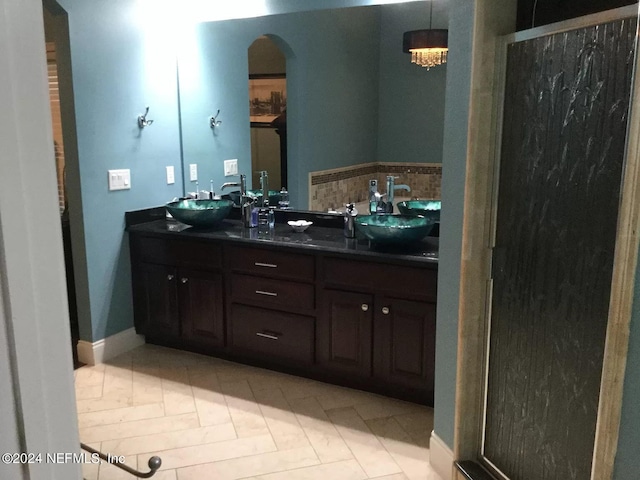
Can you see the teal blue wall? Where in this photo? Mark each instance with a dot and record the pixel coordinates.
(332, 92)
(113, 82)
(627, 463)
(411, 113)
(454, 161)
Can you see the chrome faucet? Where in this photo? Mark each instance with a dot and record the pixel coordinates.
(264, 186)
(246, 201)
(376, 204)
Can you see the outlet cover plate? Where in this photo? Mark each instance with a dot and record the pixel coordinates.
(230, 167)
(193, 172)
(119, 179)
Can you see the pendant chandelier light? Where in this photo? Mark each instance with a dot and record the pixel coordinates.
(428, 48)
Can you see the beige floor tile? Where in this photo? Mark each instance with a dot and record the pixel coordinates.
(382, 407)
(214, 452)
(345, 470)
(88, 392)
(147, 385)
(90, 375)
(245, 412)
(170, 440)
(413, 459)
(163, 474)
(370, 453)
(282, 422)
(210, 402)
(108, 471)
(253, 465)
(118, 382)
(418, 425)
(120, 415)
(344, 398)
(176, 391)
(133, 429)
(97, 404)
(325, 439)
(395, 476)
(90, 469)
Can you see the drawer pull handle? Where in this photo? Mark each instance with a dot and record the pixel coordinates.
(269, 294)
(267, 335)
(385, 310)
(169, 277)
(364, 307)
(184, 279)
(268, 265)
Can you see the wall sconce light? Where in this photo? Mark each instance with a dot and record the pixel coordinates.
(142, 120)
(213, 121)
(428, 48)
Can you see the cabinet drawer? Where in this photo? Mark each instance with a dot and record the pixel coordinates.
(272, 292)
(378, 277)
(260, 261)
(276, 334)
(179, 252)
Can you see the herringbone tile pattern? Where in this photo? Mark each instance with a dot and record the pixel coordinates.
(212, 419)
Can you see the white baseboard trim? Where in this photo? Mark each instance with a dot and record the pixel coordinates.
(107, 348)
(441, 457)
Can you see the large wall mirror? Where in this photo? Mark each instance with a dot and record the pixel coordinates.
(356, 108)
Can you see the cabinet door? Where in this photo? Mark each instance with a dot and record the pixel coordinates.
(404, 345)
(160, 301)
(344, 332)
(201, 307)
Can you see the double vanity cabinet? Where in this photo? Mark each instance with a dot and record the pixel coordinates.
(314, 304)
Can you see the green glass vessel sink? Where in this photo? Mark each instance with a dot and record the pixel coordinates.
(200, 213)
(393, 229)
(426, 208)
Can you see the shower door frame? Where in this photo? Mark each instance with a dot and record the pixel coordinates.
(475, 299)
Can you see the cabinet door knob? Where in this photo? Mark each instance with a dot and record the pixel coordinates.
(385, 310)
(169, 277)
(184, 279)
(364, 307)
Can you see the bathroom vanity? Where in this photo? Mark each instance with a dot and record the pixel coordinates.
(313, 304)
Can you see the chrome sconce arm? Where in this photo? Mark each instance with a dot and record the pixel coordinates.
(142, 120)
(213, 121)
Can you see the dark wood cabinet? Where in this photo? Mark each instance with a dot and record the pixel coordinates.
(173, 302)
(367, 323)
(404, 344)
(158, 307)
(201, 307)
(344, 332)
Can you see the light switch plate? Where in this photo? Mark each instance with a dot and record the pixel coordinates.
(230, 167)
(171, 177)
(119, 179)
(193, 172)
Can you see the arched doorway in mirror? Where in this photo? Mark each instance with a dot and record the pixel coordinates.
(267, 111)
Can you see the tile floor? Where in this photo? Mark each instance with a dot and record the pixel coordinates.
(212, 419)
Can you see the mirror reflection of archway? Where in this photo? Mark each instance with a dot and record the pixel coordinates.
(267, 103)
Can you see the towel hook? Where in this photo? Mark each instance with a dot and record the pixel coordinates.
(213, 121)
(142, 120)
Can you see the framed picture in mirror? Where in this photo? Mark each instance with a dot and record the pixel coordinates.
(267, 98)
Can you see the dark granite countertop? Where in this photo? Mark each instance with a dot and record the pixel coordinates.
(315, 238)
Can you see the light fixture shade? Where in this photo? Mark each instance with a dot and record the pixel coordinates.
(428, 48)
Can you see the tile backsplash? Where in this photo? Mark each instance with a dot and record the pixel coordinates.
(331, 189)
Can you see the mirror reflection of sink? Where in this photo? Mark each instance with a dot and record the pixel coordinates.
(274, 196)
(426, 208)
(200, 213)
(393, 229)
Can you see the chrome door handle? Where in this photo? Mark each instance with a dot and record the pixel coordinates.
(170, 277)
(268, 265)
(385, 310)
(364, 307)
(269, 294)
(267, 335)
(184, 279)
